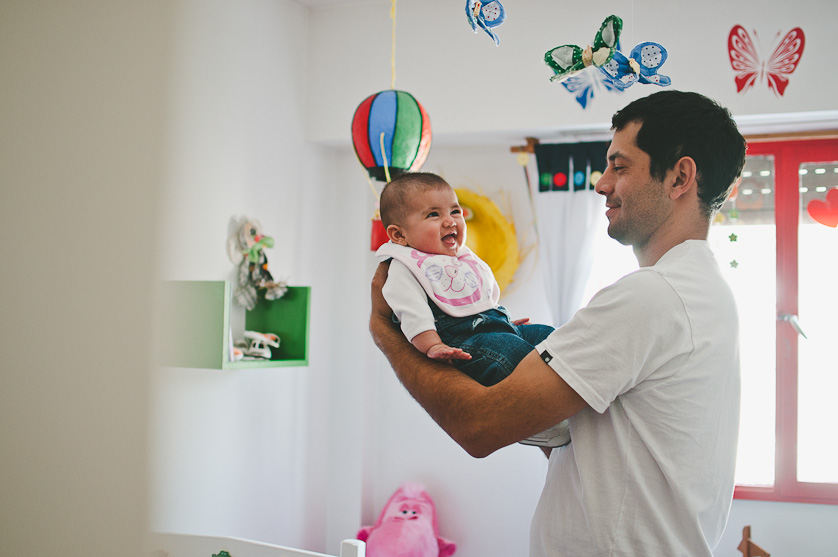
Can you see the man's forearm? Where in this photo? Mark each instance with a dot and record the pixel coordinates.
(480, 419)
(450, 397)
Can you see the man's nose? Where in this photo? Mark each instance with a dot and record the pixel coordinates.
(604, 184)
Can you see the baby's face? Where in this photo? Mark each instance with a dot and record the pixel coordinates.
(435, 223)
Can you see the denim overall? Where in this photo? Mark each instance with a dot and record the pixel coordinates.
(495, 343)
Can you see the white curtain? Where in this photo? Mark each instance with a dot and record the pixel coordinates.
(568, 222)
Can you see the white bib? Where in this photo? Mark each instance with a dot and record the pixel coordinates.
(459, 285)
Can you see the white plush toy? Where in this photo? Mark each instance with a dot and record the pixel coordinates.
(246, 249)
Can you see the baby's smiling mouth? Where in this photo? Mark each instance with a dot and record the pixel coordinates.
(450, 239)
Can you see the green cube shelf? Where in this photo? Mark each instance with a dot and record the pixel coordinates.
(195, 325)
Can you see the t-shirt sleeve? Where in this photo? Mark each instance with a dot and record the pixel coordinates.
(625, 334)
(408, 300)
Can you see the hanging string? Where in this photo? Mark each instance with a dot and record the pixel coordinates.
(372, 187)
(393, 50)
(384, 156)
(524, 161)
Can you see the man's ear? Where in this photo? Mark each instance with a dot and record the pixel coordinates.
(396, 235)
(684, 175)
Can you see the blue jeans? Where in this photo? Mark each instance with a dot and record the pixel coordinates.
(495, 343)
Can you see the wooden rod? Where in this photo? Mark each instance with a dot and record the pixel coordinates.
(528, 148)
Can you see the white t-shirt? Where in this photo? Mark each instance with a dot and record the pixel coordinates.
(650, 469)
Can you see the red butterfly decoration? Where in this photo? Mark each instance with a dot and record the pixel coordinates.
(749, 66)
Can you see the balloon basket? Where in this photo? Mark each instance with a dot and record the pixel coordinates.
(378, 236)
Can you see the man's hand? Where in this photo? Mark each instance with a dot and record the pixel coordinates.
(381, 312)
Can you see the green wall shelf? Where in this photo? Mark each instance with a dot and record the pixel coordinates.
(195, 325)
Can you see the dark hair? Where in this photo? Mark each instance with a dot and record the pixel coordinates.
(675, 124)
(396, 197)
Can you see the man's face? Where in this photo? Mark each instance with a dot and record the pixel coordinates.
(637, 204)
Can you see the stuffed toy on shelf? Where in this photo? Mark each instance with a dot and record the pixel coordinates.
(246, 249)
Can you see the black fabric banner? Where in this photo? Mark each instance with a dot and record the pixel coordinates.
(570, 166)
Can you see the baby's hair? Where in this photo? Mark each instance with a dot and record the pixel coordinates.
(397, 196)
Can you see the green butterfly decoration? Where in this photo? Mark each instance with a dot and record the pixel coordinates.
(568, 60)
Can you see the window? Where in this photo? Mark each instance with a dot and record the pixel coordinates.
(778, 244)
(782, 264)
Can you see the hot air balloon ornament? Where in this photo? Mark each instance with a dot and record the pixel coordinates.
(391, 133)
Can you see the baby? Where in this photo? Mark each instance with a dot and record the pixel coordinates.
(445, 297)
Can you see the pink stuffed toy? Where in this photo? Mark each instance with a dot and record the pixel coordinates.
(407, 527)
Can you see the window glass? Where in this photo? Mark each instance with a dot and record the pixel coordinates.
(743, 237)
(817, 453)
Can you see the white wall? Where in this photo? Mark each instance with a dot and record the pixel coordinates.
(248, 453)
(782, 529)
(472, 88)
(81, 127)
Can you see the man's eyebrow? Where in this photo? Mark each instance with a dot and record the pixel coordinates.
(616, 155)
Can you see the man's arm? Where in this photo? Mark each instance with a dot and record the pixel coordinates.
(480, 419)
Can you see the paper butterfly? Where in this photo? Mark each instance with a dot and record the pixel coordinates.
(750, 67)
(486, 15)
(568, 60)
(641, 65)
(584, 84)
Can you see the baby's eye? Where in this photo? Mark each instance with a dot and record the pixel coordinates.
(432, 214)
(456, 212)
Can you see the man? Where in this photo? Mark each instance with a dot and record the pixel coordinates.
(647, 373)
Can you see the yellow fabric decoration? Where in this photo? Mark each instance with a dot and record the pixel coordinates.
(491, 236)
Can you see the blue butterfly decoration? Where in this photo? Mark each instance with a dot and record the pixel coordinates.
(620, 73)
(485, 15)
(641, 65)
(585, 83)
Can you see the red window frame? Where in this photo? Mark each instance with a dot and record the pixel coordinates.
(788, 156)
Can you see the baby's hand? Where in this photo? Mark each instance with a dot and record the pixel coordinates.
(444, 352)
(520, 322)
